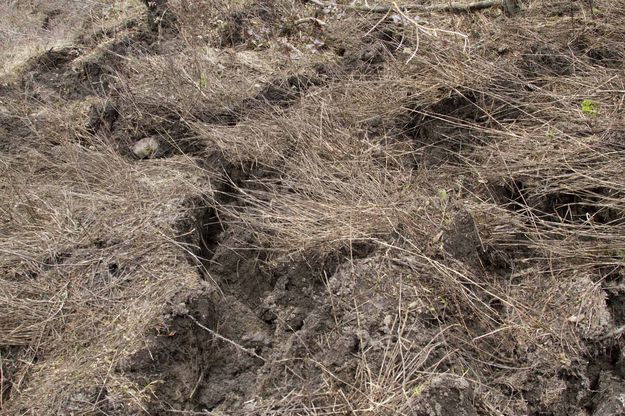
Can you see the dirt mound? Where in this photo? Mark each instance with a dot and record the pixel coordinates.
(295, 208)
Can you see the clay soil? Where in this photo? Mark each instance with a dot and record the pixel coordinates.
(297, 207)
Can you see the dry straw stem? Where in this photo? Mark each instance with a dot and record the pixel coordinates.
(449, 7)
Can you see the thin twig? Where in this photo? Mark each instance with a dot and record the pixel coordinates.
(310, 20)
(229, 341)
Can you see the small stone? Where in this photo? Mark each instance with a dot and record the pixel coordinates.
(146, 148)
(255, 340)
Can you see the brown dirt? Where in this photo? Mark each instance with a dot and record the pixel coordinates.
(348, 212)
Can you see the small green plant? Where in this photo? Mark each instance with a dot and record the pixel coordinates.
(551, 133)
(461, 371)
(416, 392)
(202, 82)
(443, 195)
(590, 108)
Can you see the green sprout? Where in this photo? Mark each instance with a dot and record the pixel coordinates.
(590, 108)
(551, 133)
(202, 82)
(416, 392)
(442, 195)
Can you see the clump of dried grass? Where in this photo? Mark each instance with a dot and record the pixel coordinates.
(543, 284)
(89, 260)
(27, 311)
(28, 29)
(336, 185)
(346, 163)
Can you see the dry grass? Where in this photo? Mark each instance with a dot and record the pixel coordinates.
(394, 143)
(514, 127)
(89, 261)
(29, 28)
